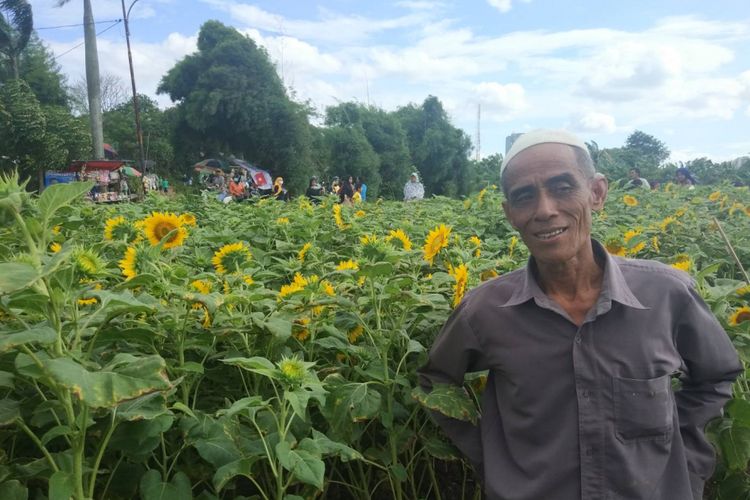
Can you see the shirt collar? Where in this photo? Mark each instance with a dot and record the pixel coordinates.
(614, 286)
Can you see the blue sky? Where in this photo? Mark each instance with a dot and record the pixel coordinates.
(675, 69)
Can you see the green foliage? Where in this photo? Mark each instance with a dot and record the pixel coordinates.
(438, 149)
(119, 131)
(231, 101)
(33, 137)
(16, 25)
(37, 66)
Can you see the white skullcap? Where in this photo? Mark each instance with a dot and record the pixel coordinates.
(541, 136)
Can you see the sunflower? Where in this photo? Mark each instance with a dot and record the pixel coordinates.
(56, 230)
(55, 247)
(739, 316)
(359, 213)
(202, 286)
(742, 291)
(297, 285)
(166, 228)
(637, 248)
(663, 225)
(736, 206)
(368, 239)
(714, 196)
(88, 261)
(115, 227)
(630, 233)
(400, 235)
(480, 197)
(327, 288)
(630, 200)
(488, 274)
(293, 370)
(682, 262)
(248, 279)
(461, 275)
(337, 217)
(436, 240)
(87, 302)
(129, 263)
(615, 248)
(303, 251)
(355, 333)
(512, 245)
(188, 219)
(477, 243)
(345, 265)
(282, 220)
(747, 210)
(232, 257)
(655, 244)
(300, 330)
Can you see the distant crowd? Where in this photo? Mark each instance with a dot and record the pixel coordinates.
(682, 178)
(237, 186)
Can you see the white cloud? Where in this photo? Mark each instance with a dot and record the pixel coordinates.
(501, 101)
(331, 27)
(150, 60)
(501, 5)
(594, 122)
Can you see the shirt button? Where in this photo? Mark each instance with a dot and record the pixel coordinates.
(578, 339)
(586, 394)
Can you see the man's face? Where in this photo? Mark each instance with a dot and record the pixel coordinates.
(413, 178)
(549, 201)
(633, 174)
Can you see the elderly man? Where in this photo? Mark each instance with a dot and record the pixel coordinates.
(584, 352)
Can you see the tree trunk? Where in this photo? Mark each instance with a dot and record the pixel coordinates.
(14, 65)
(92, 80)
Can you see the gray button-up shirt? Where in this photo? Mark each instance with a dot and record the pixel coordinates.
(589, 412)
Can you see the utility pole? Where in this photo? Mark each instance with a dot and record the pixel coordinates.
(136, 109)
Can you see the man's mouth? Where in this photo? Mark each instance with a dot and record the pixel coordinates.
(548, 235)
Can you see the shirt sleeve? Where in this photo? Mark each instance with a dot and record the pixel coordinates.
(710, 366)
(455, 352)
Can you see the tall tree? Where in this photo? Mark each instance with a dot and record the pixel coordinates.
(16, 26)
(114, 92)
(92, 78)
(439, 150)
(232, 101)
(647, 149)
(386, 138)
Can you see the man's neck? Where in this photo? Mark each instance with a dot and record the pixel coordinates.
(580, 278)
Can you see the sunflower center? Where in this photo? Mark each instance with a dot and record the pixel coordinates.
(163, 229)
(743, 316)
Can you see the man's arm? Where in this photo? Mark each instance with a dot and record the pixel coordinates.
(711, 365)
(455, 352)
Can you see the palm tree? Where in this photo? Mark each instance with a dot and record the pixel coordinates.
(16, 25)
(92, 77)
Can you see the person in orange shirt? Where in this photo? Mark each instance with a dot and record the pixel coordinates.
(237, 189)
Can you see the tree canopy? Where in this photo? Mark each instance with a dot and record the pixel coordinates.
(232, 101)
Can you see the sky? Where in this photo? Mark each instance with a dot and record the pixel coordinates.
(675, 69)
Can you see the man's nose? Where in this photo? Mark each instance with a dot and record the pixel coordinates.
(546, 206)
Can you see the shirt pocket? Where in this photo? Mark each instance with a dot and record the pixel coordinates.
(644, 408)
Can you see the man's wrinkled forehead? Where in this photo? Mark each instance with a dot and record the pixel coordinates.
(541, 136)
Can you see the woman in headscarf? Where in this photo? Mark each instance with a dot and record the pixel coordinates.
(279, 191)
(346, 191)
(413, 189)
(683, 178)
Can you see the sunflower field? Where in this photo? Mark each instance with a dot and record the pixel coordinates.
(182, 348)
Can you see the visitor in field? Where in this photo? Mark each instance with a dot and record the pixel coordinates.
(635, 180)
(165, 185)
(335, 185)
(361, 188)
(684, 178)
(279, 191)
(237, 188)
(315, 190)
(413, 189)
(582, 349)
(346, 191)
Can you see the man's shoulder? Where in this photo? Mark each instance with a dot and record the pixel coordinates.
(495, 291)
(652, 273)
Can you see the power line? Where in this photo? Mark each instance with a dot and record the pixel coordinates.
(114, 23)
(76, 25)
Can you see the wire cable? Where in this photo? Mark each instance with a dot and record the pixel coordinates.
(114, 23)
(76, 25)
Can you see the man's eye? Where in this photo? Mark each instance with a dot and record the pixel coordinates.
(522, 198)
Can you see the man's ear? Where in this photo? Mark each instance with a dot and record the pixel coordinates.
(599, 190)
